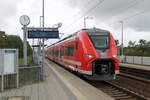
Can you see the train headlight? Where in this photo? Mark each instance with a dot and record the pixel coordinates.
(114, 56)
(90, 56)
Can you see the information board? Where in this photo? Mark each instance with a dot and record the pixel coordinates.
(8, 61)
(43, 32)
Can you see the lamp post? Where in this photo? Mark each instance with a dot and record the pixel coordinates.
(41, 21)
(85, 18)
(4, 36)
(122, 45)
(42, 70)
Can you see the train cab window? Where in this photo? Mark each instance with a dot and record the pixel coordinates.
(100, 41)
(69, 50)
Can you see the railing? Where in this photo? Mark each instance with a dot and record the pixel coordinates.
(27, 75)
(135, 60)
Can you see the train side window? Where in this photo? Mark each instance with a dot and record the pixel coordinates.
(61, 52)
(76, 44)
(66, 51)
(70, 50)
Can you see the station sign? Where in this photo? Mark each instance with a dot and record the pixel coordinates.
(43, 33)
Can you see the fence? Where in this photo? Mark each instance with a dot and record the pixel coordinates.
(27, 75)
(135, 60)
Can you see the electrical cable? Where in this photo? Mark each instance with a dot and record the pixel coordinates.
(88, 11)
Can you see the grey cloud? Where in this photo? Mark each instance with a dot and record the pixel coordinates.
(8, 10)
(111, 11)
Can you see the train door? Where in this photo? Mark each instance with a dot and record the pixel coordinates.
(69, 56)
(76, 51)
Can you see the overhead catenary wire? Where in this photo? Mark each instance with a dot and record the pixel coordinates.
(88, 11)
(131, 16)
(93, 8)
(137, 14)
(97, 5)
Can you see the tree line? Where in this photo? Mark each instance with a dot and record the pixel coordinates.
(140, 48)
(13, 42)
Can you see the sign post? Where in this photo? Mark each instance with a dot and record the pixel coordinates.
(42, 33)
(24, 46)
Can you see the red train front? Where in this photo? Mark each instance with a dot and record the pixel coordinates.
(90, 52)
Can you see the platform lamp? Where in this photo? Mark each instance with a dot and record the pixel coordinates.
(4, 36)
(85, 18)
(122, 45)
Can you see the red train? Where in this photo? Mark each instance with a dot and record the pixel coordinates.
(90, 52)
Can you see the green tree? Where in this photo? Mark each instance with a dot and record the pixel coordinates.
(13, 41)
(140, 49)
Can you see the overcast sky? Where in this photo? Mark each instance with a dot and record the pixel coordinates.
(105, 14)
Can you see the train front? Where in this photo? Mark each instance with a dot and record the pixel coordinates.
(105, 63)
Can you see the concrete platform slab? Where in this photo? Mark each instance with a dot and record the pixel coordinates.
(59, 84)
(81, 89)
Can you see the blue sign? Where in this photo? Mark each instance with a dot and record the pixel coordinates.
(43, 33)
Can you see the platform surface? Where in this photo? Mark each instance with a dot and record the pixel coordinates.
(141, 67)
(50, 89)
(53, 88)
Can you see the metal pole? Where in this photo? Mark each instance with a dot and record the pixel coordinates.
(41, 21)
(84, 22)
(43, 13)
(122, 38)
(43, 39)
(121, 53)
(4, 40)
(2, 82)
(25, 45)
(17, 79)
(33, 51)
(85, 18)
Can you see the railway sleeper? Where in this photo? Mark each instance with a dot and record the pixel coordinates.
(123, 97)
(119, 95)
(132, 99)
(108, 89)
(113, 93)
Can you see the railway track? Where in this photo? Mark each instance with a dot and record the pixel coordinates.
(131, 84)
(123, 91)
(142, 74)
(116, 91)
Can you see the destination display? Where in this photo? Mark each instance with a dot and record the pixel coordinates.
(43, 32)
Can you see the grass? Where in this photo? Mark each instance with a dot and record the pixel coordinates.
(29, 59)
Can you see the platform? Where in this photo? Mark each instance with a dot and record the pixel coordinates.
(59, 84)
(141, 67)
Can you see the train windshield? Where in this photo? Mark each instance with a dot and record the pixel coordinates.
(100, 41)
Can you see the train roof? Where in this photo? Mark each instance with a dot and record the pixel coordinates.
(90, 31)
(94, 31)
